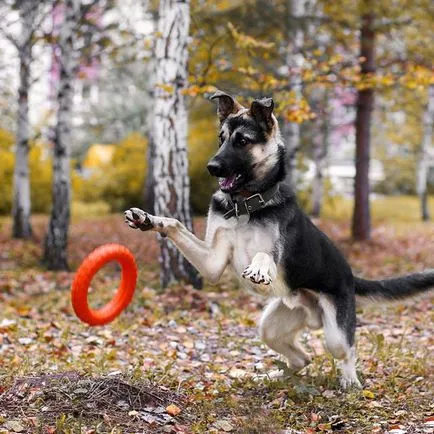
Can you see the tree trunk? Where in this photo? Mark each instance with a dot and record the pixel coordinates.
(294, 61)
(148, 193)
(148, 188)
(424, 162)
(169, 134)
(21, 200)
(320, 158)
(365, 102)
(55, 255)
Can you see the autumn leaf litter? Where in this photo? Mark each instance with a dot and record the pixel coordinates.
(189, 361)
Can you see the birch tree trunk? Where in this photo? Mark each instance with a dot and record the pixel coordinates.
(169, 134)
(320, 153)
(21, 208)
(55, 254)
(361, 229)
(425, 156)
(291, 130)
(148, 194)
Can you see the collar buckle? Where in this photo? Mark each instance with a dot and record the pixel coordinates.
(232, 212)
(253, 203)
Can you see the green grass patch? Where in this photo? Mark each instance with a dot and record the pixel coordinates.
(393, 209)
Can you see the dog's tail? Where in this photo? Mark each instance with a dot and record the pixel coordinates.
(389, 290)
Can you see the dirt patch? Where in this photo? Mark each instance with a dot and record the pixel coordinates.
(59, 400)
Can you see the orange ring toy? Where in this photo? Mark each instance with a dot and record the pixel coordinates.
(91, 264)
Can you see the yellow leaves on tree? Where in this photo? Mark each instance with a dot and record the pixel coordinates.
(295, 109)
(40, 174)
(6, 170)
(417, 76)
(166, 87)
(196, 90)
(40, 178)
(120, 180)
(98, 156)
(247, 42)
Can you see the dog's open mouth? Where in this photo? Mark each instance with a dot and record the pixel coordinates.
(229, 183)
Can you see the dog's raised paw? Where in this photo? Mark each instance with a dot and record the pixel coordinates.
(138, 219)
(257, 275)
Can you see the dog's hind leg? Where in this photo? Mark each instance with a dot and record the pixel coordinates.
(309, 301)
(339, 319)
(279, 328)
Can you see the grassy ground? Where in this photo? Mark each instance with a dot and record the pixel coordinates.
(188, 361)
(393, 209)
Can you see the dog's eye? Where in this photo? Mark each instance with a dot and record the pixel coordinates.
(243, 141)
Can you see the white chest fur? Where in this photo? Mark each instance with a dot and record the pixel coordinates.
(243, 241)
(247, 239)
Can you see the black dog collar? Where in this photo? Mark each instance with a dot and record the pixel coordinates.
(252, 203)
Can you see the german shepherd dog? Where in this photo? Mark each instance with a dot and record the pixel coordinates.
(256, 227)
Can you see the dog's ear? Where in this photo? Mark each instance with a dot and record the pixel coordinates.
(226, 105)
(262, 111)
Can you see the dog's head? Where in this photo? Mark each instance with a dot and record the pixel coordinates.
(250, 157)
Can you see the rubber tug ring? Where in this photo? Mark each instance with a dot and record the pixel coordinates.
(85, 273)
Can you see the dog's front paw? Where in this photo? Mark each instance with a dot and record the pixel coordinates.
(139, 219)
(257, 275)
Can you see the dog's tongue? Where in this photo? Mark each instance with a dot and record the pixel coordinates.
(227, 182)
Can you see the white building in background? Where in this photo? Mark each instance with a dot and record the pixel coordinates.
(341, 173)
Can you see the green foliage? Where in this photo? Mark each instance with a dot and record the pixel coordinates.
(89, 209)
(40, 179)
(202, 143)
(229, 52)
(120, 182)
(40, 175)
(304, 195)
(399, 177)
(40, 167)
(6, 170)
(397, 138)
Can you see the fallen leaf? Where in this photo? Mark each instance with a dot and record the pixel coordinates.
(237, 373)
(223, 425)
(173, 410)
(328, 394)
(368, 394)
(315, 417)
(429, 421)
(14, 426)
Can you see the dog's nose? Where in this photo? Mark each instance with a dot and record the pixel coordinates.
(215, 168)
